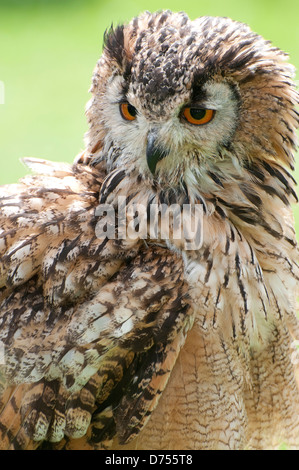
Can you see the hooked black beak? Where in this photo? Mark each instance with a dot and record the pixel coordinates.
(154, 152)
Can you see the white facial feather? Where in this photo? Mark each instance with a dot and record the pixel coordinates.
(186, 142)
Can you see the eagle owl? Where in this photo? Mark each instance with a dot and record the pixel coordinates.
(136, 340)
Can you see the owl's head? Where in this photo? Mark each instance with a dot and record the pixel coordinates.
(175, 98)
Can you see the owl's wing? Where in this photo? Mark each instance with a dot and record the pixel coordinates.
(90, 328)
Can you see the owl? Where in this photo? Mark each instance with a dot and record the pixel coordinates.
(113, 337)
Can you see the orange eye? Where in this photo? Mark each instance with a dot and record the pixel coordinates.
(198, 116)
(128, 111)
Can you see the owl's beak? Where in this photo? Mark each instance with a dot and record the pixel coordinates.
(154, 151)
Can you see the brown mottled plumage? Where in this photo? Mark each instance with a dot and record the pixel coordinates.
(138, 342)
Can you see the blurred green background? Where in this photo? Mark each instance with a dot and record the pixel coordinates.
(48, 49)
